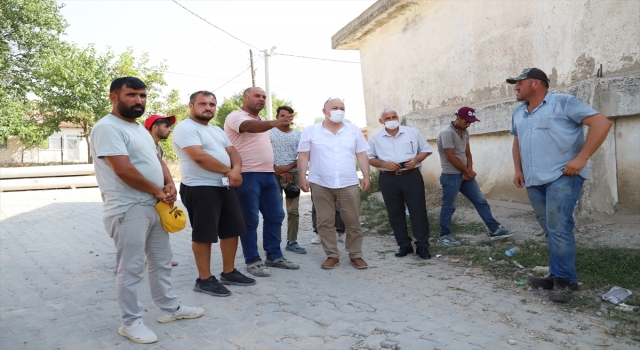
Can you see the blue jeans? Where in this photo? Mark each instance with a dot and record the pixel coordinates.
(451, 185)
(260, 191)
(553, 204)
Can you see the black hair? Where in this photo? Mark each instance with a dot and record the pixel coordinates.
(192, 98)
(130, 82)
(286, 108)
(161, 121)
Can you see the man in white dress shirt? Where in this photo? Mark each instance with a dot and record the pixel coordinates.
(329, 150)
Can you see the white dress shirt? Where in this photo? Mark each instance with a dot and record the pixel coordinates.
(332, 156)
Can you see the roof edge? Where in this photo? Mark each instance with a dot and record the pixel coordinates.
(376, 16)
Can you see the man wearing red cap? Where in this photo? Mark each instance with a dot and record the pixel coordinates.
(160, 127)
(458, 176)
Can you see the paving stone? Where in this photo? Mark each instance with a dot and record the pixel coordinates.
(372, 342)
(58, 295)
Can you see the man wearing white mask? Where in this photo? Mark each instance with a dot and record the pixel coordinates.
(333, 146)
(398, 151)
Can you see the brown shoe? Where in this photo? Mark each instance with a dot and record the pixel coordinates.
(358, 263)
(330, 263)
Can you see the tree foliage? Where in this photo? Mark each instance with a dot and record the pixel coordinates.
(234, 103)
(77, 89)
(29, 33)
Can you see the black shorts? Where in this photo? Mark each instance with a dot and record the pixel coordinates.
(213, 212)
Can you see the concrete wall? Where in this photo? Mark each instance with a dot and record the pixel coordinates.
(428, 54)
(428, 58)
(627, 131)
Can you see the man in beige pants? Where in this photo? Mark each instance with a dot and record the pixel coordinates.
(335, 146)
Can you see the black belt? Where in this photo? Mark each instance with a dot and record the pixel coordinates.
(409, 171)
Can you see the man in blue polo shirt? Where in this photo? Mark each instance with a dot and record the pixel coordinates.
(550, 155)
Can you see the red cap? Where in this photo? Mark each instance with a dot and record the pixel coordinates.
(468, 114)
(152, 118)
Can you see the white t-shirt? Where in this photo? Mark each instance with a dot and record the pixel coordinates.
(213, 141)
(112, 136)
(332, 156)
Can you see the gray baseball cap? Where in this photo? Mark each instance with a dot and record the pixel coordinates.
(529, 73)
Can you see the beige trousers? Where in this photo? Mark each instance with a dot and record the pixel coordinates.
(348, 199)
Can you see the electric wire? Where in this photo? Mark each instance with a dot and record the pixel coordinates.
(213, 25)
(259, 51)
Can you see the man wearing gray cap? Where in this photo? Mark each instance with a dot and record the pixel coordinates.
(550, 156)
(458, 176)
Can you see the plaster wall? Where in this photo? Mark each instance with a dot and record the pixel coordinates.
(435, 54)
(627, 131)
(491, 161)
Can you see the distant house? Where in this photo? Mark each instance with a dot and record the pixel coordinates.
(65, 146)
(428, 58)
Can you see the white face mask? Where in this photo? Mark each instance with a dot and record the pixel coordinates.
(392, 124)
(336, 116)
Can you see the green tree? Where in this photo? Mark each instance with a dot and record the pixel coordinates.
(29, 33)
(234, 103)
(77, 85)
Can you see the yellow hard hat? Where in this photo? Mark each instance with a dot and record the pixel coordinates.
(173, 218)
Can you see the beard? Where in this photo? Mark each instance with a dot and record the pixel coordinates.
(202, 117)
(130, 112)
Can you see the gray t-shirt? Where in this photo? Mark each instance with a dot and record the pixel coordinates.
(213, 141)
(112, 136)
(449, 138)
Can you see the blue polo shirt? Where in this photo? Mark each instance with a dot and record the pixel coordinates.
(550, 136)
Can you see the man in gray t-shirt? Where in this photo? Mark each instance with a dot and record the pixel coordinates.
(132, 179)
(458, 176)
(211, 170)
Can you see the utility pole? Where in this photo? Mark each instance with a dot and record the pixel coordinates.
(267, 54)
(253, 71)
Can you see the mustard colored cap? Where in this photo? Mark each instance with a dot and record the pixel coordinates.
(173, 218)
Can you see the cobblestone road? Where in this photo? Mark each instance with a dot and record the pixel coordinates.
(57, 290)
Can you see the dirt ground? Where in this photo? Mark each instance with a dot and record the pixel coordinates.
(619, 230)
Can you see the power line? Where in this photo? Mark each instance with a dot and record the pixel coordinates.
(260, 51)
(213, 25)
(232, 79)
(315, 58)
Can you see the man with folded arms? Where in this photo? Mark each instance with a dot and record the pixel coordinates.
(207, 158)
(329, 150)
(398, 151)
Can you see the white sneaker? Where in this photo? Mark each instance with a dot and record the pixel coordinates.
(138, 333)
(316, 239)
(341, 238)
(182, 312)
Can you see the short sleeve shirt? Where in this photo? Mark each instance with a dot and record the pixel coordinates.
(449, 138)
(213, 141)
(550, 136)
(285, 147)
(332, 161)
(112, 136)
(407, 144)
(254, 148)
